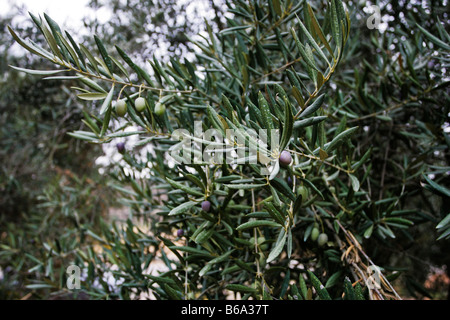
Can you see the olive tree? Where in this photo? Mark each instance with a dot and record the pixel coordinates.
(263, 169)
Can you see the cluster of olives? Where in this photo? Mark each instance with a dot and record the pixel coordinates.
(321, 238)
(140, 104)
(206, 206)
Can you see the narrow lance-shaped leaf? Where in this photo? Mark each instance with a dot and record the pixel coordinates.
(92, 96)
(312, 72)
(288, 125)
(31, 47)
(107, 101)
(279, 245)
(39, 72)
(106, 120)
(312, 41)
(354, 182)
(257, 223)
(77, 50)
(302, 51)
(181, 186)
(436, 187)
(182, 208)
(318, 30)
(213, 116)
(298, 96)
(339, 139)
(104, 54)
(240, 288)
(56, 31)
(335, 26)
(320, 288)
(121, 67)
(444, 222)
(92, 84)
(314, 107)
(266, 115)
(70, 50)
(90, 57)
(308, 122)
(51, 42)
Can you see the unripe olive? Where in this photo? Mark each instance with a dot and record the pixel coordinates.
(263, 246)
(139, 103)
(314, 234)
(160, 108)
(333, 190)
(260, 240)
(262, 261)
(206, 206)
(120, 147)
(121, 108)
(303, 191)
(322, 239)
(285, 158)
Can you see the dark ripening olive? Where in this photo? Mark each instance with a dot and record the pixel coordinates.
(289, 181)
(314, 234)
(206, 205)
(121, 108)
(120, 147)
(180, 232)
(322, 239)
(285, 158)
(139, 103)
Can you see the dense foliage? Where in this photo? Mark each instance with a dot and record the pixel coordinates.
(360, 175)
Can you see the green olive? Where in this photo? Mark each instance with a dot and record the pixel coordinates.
(333, 190)
(314, 234)
(262, 261)
(303, 191)
(261, 239)
(263, 246)
(322, 239)
(140, 103)
(121, 107)
(160, 109)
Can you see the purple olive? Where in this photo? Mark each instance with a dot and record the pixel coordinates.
(206, 205)
(180, 232)
(285, 158)
(120, 147)
(289, 181)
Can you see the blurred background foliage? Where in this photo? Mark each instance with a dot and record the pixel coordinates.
(54, 203)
